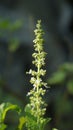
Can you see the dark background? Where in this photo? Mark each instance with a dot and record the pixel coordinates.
(17, 22)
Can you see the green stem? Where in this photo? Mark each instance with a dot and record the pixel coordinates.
(38, 107)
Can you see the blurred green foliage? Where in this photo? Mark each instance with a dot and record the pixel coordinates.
(64, 74)
(7, 26)
(13, 45)
(62, 79)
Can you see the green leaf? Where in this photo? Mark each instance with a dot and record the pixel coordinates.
(5, 107)
(70, 86)
(22, 121)
(57, 77)
(2, 126)
(28, 113)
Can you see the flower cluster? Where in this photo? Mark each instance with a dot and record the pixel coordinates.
(37, 103)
